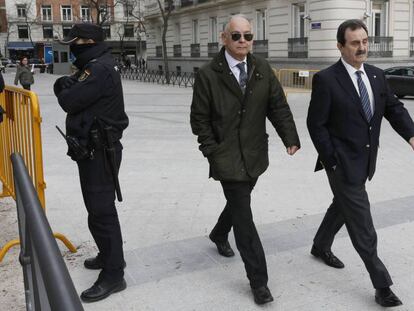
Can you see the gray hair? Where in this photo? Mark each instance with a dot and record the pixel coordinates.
(236, 16)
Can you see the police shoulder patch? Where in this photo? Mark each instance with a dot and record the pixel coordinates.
(84, 75)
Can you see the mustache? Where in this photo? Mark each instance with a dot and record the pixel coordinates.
(361, 52)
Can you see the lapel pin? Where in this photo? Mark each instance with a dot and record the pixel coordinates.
(375, 77)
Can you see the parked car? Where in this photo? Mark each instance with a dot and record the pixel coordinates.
(401, 80)
(36, 62)
(5, 61)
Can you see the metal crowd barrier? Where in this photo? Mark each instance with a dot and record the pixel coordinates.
(47, 283)
(296, 79)
(20, 132)
(185, 79)
(292, 80)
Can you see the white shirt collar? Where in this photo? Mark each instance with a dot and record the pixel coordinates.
(351, 70)
(232, 61)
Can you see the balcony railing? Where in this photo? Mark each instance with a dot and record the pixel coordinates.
(195, 50)
(177, 50)
(298, 47)
(213, 48)
(412, 46)
(260, 48)
(158, 51)
(380, 46)
(185, 3)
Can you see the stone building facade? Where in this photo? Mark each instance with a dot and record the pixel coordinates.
(290, 33)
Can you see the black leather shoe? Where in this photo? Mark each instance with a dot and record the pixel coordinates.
(262, 295)
(102, 289)
(95, 263)
(386, 298)
(328, 257)
(223, 248)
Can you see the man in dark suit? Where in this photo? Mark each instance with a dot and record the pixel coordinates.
(349, 100)
(233, 95)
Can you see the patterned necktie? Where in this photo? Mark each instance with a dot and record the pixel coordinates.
(243, 76)
(363, 94)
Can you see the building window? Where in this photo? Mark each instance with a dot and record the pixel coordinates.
(46, 13)
(104, 13)
(48, 32)
(128, 9)
(66, 30)
(85, 13)
(64, 57)
(195, 31)
(177, 38)
(261, 22)
(129, 31)
(213, 29)
(298, 13)
(412, 19)
(66, 13)
(107, 31)
(21, 10)
(379, 18)
(23, 31)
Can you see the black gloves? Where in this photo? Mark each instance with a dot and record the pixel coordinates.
(62, 83)
(67, 81)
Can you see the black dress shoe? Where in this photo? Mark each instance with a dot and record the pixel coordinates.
(262, 295)
(223, 248)
(95, 263)
(328, 257)
(386, 298)
(102, 289)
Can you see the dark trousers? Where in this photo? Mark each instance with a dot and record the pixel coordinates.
(350, 206)
(237, 213)
(26, 86)
(98, 192)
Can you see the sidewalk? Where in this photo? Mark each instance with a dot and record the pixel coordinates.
(170, 206)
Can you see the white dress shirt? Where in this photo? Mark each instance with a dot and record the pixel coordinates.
(233, 65)
(352, 73)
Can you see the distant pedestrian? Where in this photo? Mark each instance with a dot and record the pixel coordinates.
(1, 90)
(127, 62)
(24, 74)
(1, 83)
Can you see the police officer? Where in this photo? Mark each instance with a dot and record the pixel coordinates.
(96, 118)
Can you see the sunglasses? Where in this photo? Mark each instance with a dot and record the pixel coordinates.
(237, 36)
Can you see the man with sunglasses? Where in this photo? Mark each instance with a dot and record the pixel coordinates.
(233, 95)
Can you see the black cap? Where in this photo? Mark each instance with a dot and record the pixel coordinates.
(84, 31)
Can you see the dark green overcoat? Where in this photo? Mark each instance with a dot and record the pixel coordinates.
(231, 127)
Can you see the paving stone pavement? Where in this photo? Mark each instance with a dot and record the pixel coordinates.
(170, 206)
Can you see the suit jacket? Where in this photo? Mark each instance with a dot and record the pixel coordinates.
(231, 127)
(338, 126)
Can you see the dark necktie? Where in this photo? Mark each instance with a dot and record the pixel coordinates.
(242, 76)
(363, 94)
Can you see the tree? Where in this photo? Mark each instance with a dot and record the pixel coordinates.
(166, 7)
(101, 14)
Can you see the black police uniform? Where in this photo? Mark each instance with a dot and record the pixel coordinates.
(93, 98)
